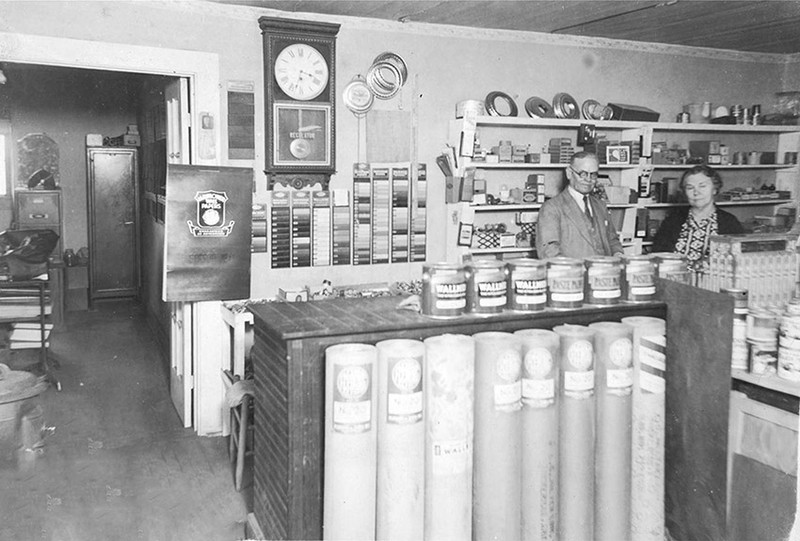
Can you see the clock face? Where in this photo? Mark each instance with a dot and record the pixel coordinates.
(301, 71)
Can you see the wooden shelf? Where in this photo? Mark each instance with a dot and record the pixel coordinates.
(522, 122)
(523, 165)
(769, 166)
(772, 382)
(501, 250)
(506, 208)
(747, 203)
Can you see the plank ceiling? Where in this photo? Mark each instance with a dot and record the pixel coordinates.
(766, 26)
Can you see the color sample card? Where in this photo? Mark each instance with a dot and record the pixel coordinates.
(362, 214)
(281, 230)
(301, 229)
(321, 229)
(381, 216)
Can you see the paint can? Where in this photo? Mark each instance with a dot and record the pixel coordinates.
(603, 280)
(739, 351)
(565, 279)
(487, 287)
(639, 284)
(670, 266)
(763, 356)
(789, 342)
(527, 285)
(444, 290)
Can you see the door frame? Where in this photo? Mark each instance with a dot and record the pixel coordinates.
(202, 69)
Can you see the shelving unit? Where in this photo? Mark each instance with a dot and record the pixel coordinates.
(536, 133)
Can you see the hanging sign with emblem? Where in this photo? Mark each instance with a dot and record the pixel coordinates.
(207, 230)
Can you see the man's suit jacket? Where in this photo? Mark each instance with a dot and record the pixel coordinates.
(564, 230)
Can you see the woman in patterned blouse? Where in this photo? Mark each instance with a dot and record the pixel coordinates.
(688, 230)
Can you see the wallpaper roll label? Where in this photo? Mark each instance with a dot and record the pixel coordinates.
(579, 381)
(508, 393)
(352, 405)
(653, 366)
(451, 457)
(538, 382)
(404, 400)
(619, 376)
(619, 379)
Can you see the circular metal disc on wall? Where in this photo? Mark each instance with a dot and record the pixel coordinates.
(358, 97)
(500, 104)
(565, 106)
(536, 107)
(594, 110)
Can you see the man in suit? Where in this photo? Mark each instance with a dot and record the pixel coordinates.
(574, 223)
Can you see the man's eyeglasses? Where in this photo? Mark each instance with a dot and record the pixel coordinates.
(584, 175)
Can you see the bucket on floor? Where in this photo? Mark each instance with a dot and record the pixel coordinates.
(17, 389)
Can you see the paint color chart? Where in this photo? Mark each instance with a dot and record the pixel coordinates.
(389, 212)
(309, 228)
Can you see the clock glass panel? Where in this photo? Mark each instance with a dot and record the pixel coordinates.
(301, 134)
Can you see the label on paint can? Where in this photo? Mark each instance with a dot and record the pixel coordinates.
(565, 282)
(487, 287)
(404, 391)
(352, 403)
(444, 290)
(528, 280)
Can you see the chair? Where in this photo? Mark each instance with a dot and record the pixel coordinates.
(239, 398)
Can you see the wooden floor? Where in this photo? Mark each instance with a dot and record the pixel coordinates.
(117, 463)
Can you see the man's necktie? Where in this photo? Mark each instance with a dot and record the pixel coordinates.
(586, 207)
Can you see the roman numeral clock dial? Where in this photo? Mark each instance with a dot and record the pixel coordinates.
(301, 72)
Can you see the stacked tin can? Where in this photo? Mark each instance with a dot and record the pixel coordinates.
(739, 351)
(789, 342)
(639, 284)
(603, 276)
(527, 285)
(762, 341)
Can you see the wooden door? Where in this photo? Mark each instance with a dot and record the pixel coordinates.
(113, 222)
(181, 374)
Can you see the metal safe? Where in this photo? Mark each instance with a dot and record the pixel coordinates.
(112, 191)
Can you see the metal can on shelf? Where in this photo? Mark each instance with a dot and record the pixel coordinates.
(639, 284)
(487, 287)
(444, 290)
(565, 279)
(603, 275)
(527, 285)
(739, 350)
(671, 266)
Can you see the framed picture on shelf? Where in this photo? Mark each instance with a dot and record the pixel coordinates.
(618, 155)
(465, 234)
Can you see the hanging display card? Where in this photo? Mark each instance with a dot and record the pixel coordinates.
(207, 232)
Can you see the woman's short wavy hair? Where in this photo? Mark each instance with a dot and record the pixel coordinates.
(702, 169)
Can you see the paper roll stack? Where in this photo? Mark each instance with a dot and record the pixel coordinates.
(539, 473)
(449, 393)
(613, 385)
(647, 453)
(576, 433)
(401, 441)
(496, 471)
(350, 442)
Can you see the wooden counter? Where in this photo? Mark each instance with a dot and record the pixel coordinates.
(288, 364)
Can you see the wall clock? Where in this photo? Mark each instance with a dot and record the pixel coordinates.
(300, 101)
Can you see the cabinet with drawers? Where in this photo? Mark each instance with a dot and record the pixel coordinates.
(40, 209)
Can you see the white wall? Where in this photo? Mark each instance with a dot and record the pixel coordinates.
(446, 64)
